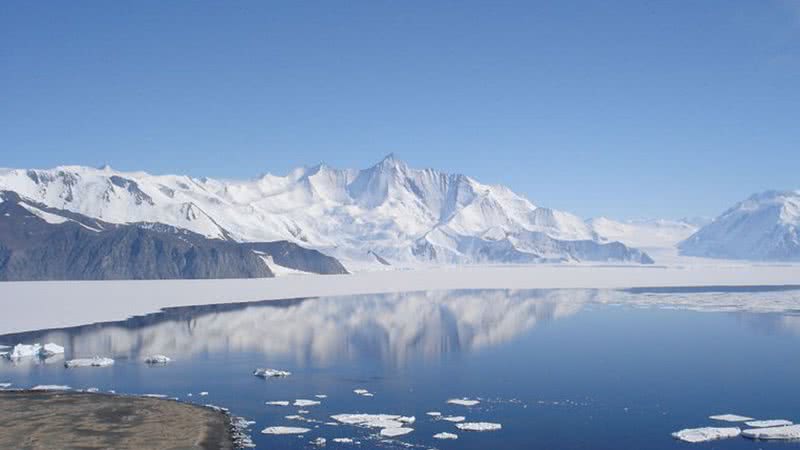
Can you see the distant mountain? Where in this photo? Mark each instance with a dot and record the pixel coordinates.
(645, 234)
(764, 227)
(42, 243)
(386, 214)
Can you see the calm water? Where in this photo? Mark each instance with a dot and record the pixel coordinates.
(564, 369)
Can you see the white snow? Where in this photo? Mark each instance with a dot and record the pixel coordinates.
(706, 434)
(479, 426)
(278, 403)
(5, 385)
(51, 387)
(271, 373)
(96, 361)
(463, 401)
(785, 433)
(445, 435)
(304, 402)
(157, 359)
(730, 418)
(394, 432)
(454, 419)
(768, 423)
(285, 430)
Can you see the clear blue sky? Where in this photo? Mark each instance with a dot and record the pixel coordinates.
(623, 108)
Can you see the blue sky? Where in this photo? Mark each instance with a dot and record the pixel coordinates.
(625, 108)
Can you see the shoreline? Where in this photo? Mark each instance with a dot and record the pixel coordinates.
(60, 304)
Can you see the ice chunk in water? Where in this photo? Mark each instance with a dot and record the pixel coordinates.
(96, 361)
(363, 392)
(319, 442)
(730, 418)
(51, 349)
(394, 432)
(768, 423)
(343, 440)
(445, 436)
(479, 426)
(51, 387)
(203, 394)
(434, 413)
(463, 401)
(303, 402)
(5, 385)
(706, 434)
(154, 395)
(786, 433)
(370, 420)
(321, 396)
(23, 351)
(285, 430)
(271, 373)
(454, 419)
(157, 359)
(278, 403)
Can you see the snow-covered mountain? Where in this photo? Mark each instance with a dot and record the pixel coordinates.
(764, 227)
(386, 212)
(644, 234)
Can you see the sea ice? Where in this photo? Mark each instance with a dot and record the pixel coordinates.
(362, 392)
(768, 423)
(203, 394)
(730, 418)
(434, 413)
(302, 402)
(321, 396)
(278, 403)
(445, 436)
(787, 433)
(319, 442)
(454, 419)
(23, 351)
(343, 440)
(463, 401)
(157, 359)
(285, 430)
(705, 434)
(154, 395)
(5, 385)
(394, 432)
(96, 361)
(370, 420)
(479, 426)
(51, 349)
(271, 373)
(51, 387)
(92, 390)
(303, 411)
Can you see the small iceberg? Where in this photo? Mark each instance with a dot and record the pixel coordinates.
(51, 349)
(463, 401)
(479, 426)
(454, 419)
(445, 436)
(785, 433)
(343, 440)
(705, 434)
(730, 418)
(23, 351)
(434, 413)
(363, 392)
(271, 373)
(51, 387)
(96, 361)
(319, 442)
(394, 432)
(768, 423)
(157, 359)
(278, 403)
(321, 396)
(92, 390)
(285, 430)
(203, 394)
(370, 420)
(303, 402)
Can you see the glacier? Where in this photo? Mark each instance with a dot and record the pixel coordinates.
(387, 214)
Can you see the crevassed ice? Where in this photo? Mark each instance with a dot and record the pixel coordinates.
(706, 434)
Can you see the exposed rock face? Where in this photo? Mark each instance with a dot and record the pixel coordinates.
(291, 255)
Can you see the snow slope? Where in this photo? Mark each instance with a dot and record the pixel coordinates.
(645, 234)
(388, 211)
(765, 227)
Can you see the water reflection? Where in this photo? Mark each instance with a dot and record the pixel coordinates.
(392, 328)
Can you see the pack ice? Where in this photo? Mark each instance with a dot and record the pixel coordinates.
(768, 423)
(157, 359)
(95, 361)
(730, 418)
(271, 373)
(285, 430)
(479, 426)
(786, 433)
(463, 401)
(706, 434)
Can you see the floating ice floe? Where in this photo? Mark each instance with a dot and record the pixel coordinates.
(96, 361)
(241, 436)
(370, 420)
(730, 418)
(321, 396)
(92, 390)
(343, 440)
(454, 419)
(217, 408)
(706, 434)
(445, 436)
(51, 387)
(278, 403)
(463, 401)
(51, 349)
(768, 423)
(271, 373)
(434, 413)
(479, 426)
(319, 442)
(157, 359)
(23, 351)
(154, 395)
(203, 394)
(785, 433)
(285, 430)
(303, 402)
(303, 411)
(363, 392)
(394, 432)
(5, 385)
